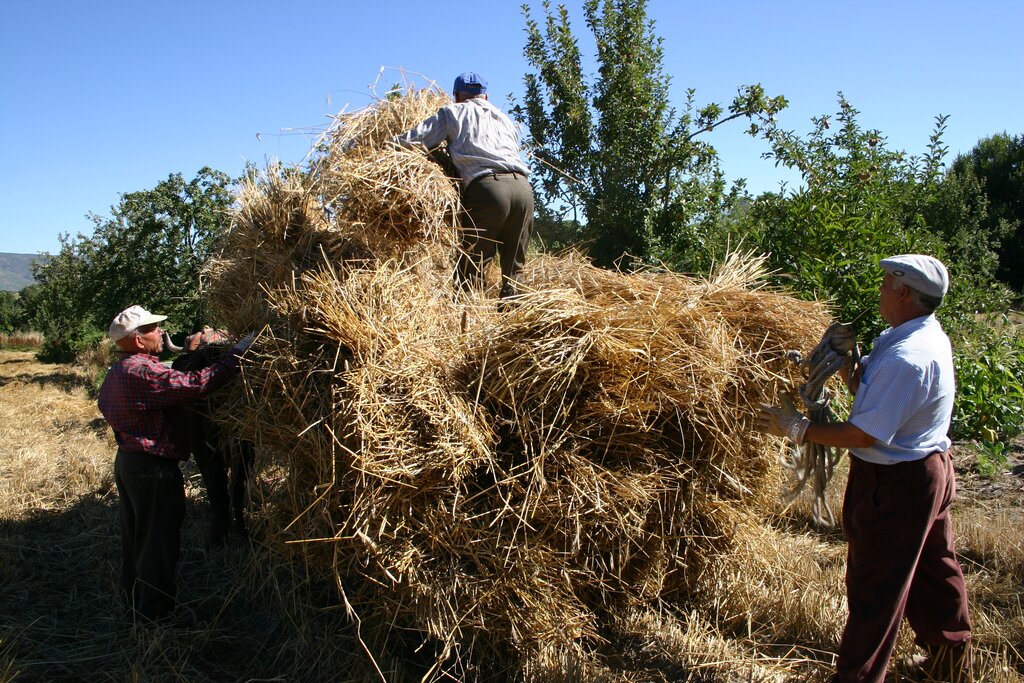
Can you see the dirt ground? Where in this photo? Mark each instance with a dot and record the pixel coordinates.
(1006, 487)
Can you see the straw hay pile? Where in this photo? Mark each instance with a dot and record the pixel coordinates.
(497, 483)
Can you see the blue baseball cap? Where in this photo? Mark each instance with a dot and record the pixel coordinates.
(469, 82)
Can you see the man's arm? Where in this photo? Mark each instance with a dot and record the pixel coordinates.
(850, 375)
(156, 386)
(838, 435)
(151, 385)
(786, 421)
(431, 133)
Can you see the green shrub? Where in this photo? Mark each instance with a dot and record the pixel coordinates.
(990, 389)
(858, 202)
(66, 349)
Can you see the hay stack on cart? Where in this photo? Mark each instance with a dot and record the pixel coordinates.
(497, 483)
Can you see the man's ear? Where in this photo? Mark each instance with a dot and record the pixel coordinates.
(135, 342)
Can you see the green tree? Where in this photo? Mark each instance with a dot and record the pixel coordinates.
(610, 153)
(10, 310)
(958, 213)
(557, 234)
(996, 164)
(148, 252)
(859, 202)
(28, 299)
(61, 308)
(158, 241)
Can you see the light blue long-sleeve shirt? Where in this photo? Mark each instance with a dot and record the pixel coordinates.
(481, 139)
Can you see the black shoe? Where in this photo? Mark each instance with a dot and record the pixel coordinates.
(508, 290)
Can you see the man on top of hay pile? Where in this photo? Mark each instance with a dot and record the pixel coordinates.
(150, 488)
(497, 200)
(901, 558)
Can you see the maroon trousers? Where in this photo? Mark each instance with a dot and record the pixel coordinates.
(900, 562)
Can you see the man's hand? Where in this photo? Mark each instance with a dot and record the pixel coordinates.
(242, 345)
(784, 421)
(841, 337)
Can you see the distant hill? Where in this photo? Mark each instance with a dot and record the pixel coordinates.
(16, 271)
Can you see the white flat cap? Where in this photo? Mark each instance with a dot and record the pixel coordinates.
(926, 274)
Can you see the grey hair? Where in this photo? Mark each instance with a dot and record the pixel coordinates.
(925, 301)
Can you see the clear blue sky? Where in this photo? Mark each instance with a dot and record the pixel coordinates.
(103, 98)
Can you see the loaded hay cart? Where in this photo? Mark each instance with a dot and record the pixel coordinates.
(498, 488)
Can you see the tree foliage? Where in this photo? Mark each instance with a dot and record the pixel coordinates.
(148, 252)
(609, 153)
(10, 312)
(859, 202)
(996, 168)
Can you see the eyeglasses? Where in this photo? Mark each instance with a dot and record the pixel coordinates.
(146, 329)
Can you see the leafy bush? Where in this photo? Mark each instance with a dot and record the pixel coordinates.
(990, 385)
(860, 202)
(67, 348)
(988, 355)
(95, 361)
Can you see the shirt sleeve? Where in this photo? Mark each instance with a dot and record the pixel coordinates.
(155, 386)
(431, 133)
(895, 392)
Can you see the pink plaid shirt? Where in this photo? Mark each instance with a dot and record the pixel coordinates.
(137, 389)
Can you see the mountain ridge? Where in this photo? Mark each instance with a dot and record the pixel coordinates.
(16, 271)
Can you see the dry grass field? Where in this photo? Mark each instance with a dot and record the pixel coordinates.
(772, 610)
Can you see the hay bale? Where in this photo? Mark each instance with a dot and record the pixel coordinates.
(279, 230)
(391, 198)
(499, 482)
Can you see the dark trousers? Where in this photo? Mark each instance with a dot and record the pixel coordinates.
(151, 507)
(900, 562)
(497, 213)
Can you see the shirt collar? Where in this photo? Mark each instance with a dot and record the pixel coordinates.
(901, 332)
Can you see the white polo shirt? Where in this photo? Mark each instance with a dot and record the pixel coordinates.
(905, 398)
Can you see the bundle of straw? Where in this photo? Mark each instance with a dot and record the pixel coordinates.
(499, 482)
(391, 197)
